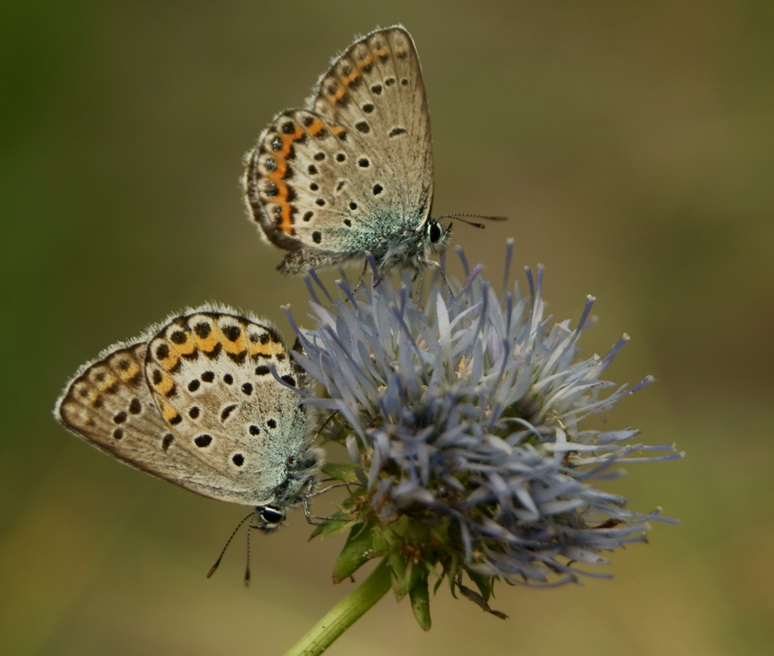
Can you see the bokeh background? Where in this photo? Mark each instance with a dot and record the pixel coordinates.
(629, 143)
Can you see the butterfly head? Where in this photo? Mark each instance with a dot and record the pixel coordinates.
(411, 248)
(435, 236)
(270, 517)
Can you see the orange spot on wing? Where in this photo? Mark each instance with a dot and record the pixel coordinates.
(268, 349)
(108, 382)
(287, 141)
(187, 347)
(165, 385)
(206, 344)
(91, 398)
(170, 362)
(126, 375)
(354, 75)
(365, 62)
(236, 347)
(343, 88)
(315, 127)
(339, 94)
(169, 413)
(285, 222)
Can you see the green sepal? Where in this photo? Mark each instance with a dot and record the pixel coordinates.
(358, 550)
(401, 572)
(346, 472)
(337, 523)
(451, 570)
(420, 603)
(406, 556)
(485, 584)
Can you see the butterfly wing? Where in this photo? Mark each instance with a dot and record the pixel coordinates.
(109, 404)
(376, 86)
(354, 171)
(211, 376)
(162, 403)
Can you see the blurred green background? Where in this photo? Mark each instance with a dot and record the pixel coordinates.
(629, 143)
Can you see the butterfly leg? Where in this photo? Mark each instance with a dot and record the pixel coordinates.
(432, 264)
(361, 279)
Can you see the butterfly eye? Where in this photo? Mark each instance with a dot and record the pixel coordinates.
(434, 232)
(272, 515)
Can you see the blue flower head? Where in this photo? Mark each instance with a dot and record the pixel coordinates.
(462, 412)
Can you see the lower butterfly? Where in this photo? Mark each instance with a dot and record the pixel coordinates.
(208, 400)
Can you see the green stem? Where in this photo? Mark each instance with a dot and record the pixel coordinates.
(344, 614)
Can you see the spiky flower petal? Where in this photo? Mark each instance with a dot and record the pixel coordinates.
(462, 411)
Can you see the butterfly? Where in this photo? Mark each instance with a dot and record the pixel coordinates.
(352, 172)
(209, 400)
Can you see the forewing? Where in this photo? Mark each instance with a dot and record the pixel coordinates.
(376, 89)
(211, 376)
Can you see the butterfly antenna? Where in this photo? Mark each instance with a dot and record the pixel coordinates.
(465, 218)
(228, 542)
(247, 564)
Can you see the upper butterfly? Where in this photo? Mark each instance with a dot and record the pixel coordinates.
(353, 171)
(195, 400)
